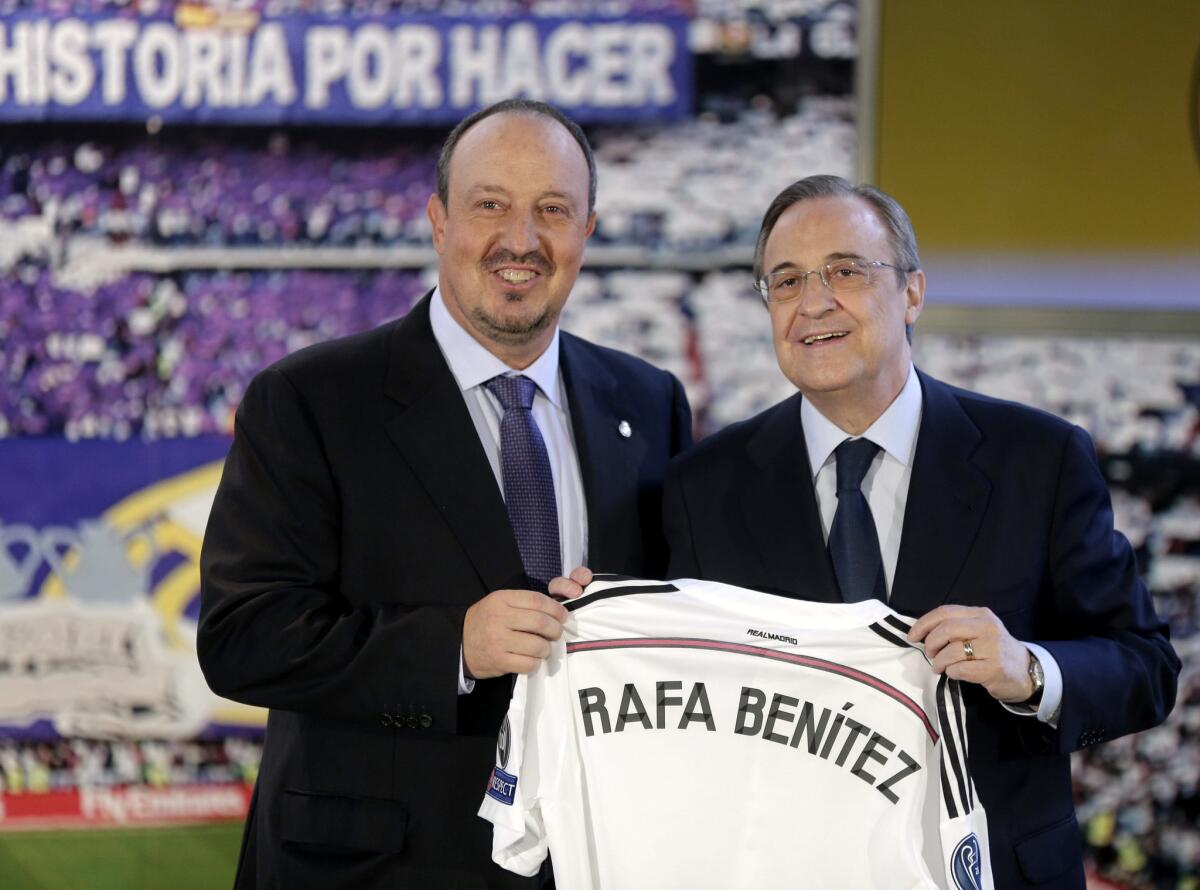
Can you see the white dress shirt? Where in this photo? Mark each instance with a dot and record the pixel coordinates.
(885, 487)
(473, 366)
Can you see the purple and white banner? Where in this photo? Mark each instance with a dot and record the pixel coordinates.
(99, 589)
(391, 69)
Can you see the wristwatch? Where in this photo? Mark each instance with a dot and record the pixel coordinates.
(1039, 682)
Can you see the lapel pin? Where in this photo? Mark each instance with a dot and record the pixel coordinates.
(624, 429)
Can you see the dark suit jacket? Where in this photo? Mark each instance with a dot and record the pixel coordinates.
(356, 521)
(1006, 509)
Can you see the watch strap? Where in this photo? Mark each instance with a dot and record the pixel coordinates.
(1039, 682)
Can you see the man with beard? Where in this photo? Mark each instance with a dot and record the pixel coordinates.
(393, 507)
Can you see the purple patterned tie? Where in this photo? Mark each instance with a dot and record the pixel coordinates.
(528, 483)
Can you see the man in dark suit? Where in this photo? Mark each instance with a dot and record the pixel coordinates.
(988, 519)
(393, 505)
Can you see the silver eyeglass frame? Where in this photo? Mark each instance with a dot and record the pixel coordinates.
(822, 272)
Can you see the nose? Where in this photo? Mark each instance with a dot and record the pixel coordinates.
(520, 233)
(816, 299)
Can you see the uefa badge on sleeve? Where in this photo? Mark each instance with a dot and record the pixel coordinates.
(966, 864)
(502, 787)
(502, 743)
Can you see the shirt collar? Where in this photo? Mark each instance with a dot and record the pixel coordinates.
(895, 431)
(472, 365)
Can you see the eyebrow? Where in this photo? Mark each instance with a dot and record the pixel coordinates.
(499, 190)
(495, 189)
(829, 258)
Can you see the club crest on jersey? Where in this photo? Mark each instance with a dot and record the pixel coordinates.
(966, 864)
(502, 786)
(502, 743)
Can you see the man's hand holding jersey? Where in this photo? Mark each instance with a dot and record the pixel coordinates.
(510, 631)
(971, 644)
(572, 586)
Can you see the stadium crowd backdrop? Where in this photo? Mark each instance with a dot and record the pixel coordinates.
(190, 191)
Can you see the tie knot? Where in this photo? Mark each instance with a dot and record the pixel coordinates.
(513, 391)
(854, 457)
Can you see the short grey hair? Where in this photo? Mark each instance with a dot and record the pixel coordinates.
(514, 106)
(900, 230)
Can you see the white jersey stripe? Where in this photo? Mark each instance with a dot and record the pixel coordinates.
(891, 637)
(960, 734)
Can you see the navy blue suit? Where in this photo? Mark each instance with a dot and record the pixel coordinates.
(356, 520)
(1006, 509)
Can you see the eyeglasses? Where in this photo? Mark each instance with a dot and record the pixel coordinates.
(840, 277)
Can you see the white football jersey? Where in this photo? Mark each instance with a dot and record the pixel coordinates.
(691, 735)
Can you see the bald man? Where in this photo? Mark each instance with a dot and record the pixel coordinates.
(393, 507)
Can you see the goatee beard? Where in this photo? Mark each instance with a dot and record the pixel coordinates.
(511, 333)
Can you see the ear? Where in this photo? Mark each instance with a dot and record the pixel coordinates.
(914, 297)
(591, 225)
(436, 211)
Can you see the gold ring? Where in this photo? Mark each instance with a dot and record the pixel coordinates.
(968, 650)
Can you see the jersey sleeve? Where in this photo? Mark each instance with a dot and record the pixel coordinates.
(966, 856)
(512, 802)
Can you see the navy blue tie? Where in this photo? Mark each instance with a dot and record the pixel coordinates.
(528, 482)
(853, 541)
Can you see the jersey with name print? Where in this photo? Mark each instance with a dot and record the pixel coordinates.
(692, 734)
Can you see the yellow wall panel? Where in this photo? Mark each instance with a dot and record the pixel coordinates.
(1053, 126)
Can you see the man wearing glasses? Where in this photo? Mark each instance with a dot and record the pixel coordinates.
(989, 520)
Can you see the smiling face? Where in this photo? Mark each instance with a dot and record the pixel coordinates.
(846, 352)
(511, 238)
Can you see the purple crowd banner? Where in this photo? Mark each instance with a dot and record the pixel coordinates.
(306, 69)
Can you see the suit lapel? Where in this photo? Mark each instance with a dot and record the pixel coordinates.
(947, 496)
(436, 436)
(608, 461)
(780, 508)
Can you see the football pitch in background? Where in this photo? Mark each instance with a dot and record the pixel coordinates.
(198, 857)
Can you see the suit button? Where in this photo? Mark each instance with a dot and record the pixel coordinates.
(386, 720)
(426, 721)
(411, 721)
